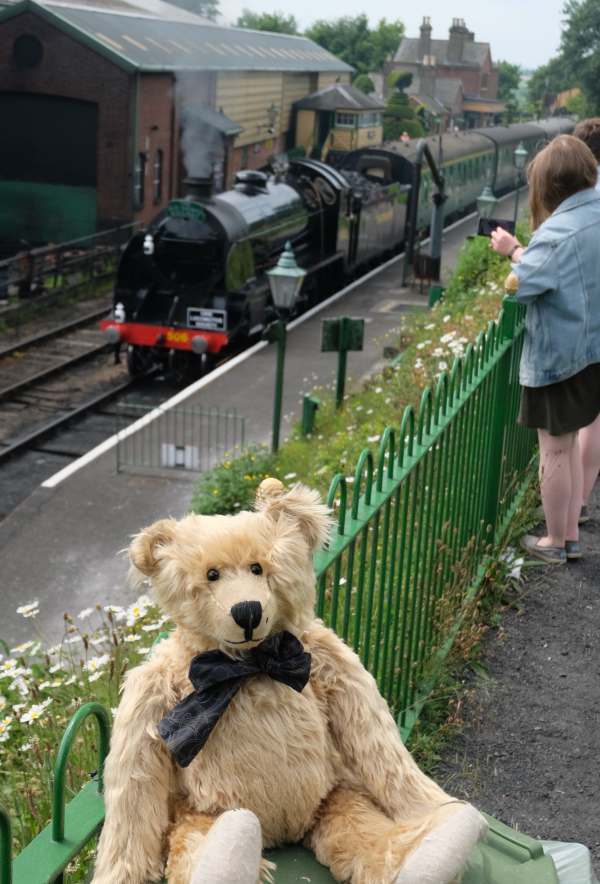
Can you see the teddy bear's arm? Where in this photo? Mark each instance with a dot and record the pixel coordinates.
(365, 733)
(137, 781)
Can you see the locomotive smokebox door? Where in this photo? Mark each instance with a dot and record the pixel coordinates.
(344, 333)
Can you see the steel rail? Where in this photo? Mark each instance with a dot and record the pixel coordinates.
(9, 448)
(56, 332)
(52, 370)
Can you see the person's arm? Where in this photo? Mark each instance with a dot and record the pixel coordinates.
(536, 269)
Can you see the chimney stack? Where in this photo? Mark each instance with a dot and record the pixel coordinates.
(459, 34)
(197, 188)
(425, 38)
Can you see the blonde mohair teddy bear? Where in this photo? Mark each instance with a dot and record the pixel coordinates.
(253, 725)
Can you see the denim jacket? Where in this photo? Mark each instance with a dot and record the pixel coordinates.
(559, 281)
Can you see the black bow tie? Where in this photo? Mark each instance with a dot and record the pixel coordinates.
(217, 679)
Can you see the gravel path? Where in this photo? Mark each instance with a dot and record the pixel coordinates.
(529, 753)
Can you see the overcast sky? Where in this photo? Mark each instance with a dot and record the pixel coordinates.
(525, 33)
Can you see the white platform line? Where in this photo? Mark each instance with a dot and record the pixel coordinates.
(109, 443)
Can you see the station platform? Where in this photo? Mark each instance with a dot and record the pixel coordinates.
(65, 545)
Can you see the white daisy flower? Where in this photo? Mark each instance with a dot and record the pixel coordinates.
(96, 663)
(290, 476)
(71, 680)
(35, 712)
(5, 724)
(83, 615)
(32, 609)
(132, 638)
(22, 649)
(55, 668)
(442, 365)
(95, 676)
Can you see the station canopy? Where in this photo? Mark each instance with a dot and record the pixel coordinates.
(158, 36)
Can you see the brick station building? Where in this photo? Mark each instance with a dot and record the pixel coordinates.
(454, 79)
(101, 101)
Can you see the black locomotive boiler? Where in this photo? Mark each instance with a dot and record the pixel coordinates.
(194, 282)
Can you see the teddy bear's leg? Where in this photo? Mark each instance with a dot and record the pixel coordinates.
(362, 845)
(220, 850)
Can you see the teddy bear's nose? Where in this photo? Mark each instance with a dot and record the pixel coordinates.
(247, 615)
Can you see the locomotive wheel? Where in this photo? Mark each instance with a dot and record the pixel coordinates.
(185, 367)
(139, 360)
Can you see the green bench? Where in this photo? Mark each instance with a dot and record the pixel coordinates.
(506, 856)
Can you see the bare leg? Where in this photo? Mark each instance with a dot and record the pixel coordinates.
(576, 492)
(360, 844)
(222, 850)
(556, 485)
(589, 441)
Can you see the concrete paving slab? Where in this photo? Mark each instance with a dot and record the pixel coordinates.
(63, 545)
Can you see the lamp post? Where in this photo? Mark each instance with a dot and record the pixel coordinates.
(486, 202)
(520, 158)
(285, 281)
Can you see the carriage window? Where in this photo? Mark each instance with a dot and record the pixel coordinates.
(158, 175)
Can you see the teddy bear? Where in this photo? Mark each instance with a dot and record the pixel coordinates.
(253, 725)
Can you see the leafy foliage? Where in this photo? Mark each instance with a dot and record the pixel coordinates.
(399, 116)
(364, 83)
(351, 39)
(276, 22)
(552, 77)
(580, 48)
(231, 486)
(206, 8)
(508, 81)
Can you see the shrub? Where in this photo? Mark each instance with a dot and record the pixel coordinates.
(231, 486)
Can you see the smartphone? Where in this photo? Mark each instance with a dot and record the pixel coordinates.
(488, 225)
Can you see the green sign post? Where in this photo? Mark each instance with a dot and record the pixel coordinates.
(339, 336)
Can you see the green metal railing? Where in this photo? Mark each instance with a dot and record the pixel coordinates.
(411, 545)
(410, 548)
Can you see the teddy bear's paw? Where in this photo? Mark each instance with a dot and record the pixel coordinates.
(232, 851)
(267, 872)
(443, 853)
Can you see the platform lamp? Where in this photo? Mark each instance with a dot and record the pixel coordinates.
(486, 202)
(520, 158)
(285, 280)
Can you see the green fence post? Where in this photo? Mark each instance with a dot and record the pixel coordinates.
(508, 322)
(310, 404)
(5, 848)
(60, 768)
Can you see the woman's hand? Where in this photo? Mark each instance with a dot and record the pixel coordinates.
(503, 242)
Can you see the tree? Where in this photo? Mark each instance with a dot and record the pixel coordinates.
(206, 8)
(277, 22)
(364, 83)
(399, 116)
(548, 79)
(351, 39)
(508, 80)
(580, 48)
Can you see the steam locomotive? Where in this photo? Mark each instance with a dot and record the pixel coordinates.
(194, 284)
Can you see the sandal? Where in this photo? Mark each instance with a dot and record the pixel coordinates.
(552, 555)
(573, 549)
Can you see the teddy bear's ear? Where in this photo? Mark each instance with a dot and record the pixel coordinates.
(145, 546)
(301, 504)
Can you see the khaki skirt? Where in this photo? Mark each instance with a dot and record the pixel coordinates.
(564, 407)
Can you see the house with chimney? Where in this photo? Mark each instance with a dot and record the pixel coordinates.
(454, 81)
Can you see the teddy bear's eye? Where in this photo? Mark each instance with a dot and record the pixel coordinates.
(212, 574)
(256, 569)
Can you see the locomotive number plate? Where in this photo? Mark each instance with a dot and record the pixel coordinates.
(213, 320)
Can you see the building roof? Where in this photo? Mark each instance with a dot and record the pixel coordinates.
(474, 54)
(339, 96)
(446, 94)
(213, 118)
(163, 37)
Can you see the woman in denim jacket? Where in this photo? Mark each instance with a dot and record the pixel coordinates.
(559, 281)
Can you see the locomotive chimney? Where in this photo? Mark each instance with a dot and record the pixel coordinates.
(197, 188)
